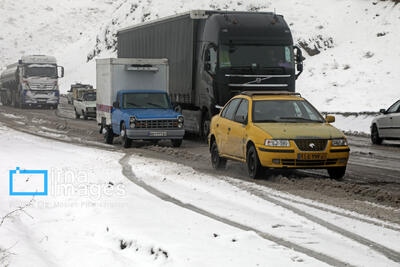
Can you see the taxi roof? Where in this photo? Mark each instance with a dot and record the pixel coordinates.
(264, 95)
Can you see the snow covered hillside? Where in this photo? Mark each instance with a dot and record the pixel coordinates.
(355, 42)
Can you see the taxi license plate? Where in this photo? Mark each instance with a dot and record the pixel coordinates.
(158, 134)
(312, 156)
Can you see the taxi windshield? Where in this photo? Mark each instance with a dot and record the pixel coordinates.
(291, 111)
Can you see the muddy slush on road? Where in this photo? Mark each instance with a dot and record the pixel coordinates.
(371, 186)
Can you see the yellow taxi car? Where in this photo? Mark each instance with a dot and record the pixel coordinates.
(276, 130)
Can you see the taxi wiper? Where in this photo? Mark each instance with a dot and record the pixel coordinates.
(298, 118)
(265, 121)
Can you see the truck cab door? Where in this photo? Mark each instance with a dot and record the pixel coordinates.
(116, 115)
(208, 73)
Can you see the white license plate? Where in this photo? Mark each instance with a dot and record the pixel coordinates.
(158, 134)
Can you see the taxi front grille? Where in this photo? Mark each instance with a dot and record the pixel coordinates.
(311, 144)
(308, 163)
(156, 124)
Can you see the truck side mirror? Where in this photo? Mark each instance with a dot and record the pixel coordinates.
(299, 60)
(62, 71)
(116, 104)
(207, 56)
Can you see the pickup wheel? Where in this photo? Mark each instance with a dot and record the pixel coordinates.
(85, 117)
(126, 141)
(154, 141)
(217, 162)
(254, 167)
(176, 142)
(108, 136)
(337, 173)
(76, 115)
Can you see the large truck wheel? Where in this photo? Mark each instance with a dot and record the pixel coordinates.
(108, 135)
(176, 142)
(205, 126)
(126, 141)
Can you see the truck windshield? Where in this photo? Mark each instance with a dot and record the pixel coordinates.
(292, 111)
(89, 97)
(261, 56)
(38, 70)
(145, 100)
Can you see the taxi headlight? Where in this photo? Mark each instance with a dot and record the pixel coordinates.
(277, 143)
(339, 142)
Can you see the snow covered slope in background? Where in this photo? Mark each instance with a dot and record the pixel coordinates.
(357, 68)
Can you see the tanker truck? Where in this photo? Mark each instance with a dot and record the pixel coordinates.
(214, 55)
(31, 82)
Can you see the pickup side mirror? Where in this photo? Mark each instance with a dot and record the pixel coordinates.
(383, 111)
(330, 119)
(116, 104)
(241, 119)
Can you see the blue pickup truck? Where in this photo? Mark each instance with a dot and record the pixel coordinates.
(133, 102)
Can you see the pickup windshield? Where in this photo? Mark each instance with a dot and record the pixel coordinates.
(259, 56)
(145, 100)
(291, 111)
(89, 97)
(38, 70)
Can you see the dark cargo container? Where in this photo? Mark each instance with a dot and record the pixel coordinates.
(213, 55)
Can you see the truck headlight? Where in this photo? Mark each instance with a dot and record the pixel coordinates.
(132, 122)
(339, 142)
(277, 143)
(180, 119)
(180, 125)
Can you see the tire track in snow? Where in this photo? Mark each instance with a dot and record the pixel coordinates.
(389, 253)
(128, 173)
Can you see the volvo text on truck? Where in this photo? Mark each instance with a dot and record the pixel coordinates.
(32, 81)
(133, 101)
(213, 55)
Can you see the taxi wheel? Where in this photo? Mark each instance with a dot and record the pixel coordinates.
(337, 173)
(254, 167)
(126, 141)
(376, 140)
(217, 162)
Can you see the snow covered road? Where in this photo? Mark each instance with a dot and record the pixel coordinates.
(172, 215)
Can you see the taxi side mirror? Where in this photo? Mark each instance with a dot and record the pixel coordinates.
(330, 119)
(383, 111)
(241, 119)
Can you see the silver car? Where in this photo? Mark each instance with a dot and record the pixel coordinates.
(386, 125)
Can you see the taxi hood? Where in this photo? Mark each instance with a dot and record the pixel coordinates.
(285, 130)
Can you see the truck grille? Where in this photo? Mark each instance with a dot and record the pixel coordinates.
(308, 163)
(41, 86)
(156, 124)
(311, 144)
